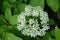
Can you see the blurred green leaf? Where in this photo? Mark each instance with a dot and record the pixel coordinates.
(38, 38)
(58, 14)
(25, 0)
(2, 20)
(57, 33)
(0, 38)
(12, 1)
(54, 4)
(8, 13)
(10, 36)
(21, 7)
(11, 28)
(47, 37)
(52, 33)
(52, 22)
(13, 20)
(3, 29)
(13, 5)
(16, 11)
(6, 5)
(37, 3)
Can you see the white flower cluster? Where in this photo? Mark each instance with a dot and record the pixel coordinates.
(31, 20)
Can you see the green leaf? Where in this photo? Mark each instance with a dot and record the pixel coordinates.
(12, 1)
(10, 36)
(52, 33)
(2, 20)
(0, 38)
(13, 20)
(52, 22)
(25, 0)
(37, 3)
(13, 5)
(6, 5)
(54, 4)
(58, 14)
(16, 11)
(8, 13)
(38, 38)
(3, 29)
(12, 29)
(47, 37)
(21, 7)
(57, 33)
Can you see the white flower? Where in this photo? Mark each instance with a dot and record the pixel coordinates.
(35, 13)
(31, 21)
(31, 26)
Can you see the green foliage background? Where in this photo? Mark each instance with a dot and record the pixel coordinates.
(10, 9)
